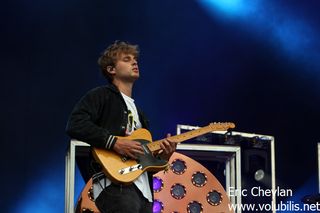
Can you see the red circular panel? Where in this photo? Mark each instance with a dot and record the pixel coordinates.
(196, 193)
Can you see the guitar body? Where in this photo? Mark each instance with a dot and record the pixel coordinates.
(121, 169)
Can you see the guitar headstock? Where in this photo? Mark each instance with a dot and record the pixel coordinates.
(221, 126)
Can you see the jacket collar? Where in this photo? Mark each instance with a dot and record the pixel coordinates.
(113, 88)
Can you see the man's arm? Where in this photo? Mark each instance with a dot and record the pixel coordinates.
(82, 122)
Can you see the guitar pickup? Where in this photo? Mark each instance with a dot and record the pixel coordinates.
(129, 169)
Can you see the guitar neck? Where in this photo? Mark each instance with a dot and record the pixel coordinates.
(155, 146)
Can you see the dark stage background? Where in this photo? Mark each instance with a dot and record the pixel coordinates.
(255, 63)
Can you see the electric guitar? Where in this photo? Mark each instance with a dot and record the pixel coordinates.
(121, 169)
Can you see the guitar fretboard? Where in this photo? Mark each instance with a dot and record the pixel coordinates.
(155, 146)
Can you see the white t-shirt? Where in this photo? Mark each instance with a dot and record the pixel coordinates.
(142, 182)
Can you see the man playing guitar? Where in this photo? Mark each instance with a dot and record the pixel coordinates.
(107, 112)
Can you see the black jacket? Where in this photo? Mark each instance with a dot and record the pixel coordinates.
(97, 118)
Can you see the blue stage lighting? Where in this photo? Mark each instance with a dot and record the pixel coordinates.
(290, 34)
(229, 7)
(46, 193)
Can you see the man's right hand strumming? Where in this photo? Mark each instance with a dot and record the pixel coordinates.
(128, 148)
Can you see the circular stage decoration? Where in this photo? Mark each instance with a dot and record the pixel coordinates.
(199, 179)
(85, 202)
(178, 166)
(214, 198)
(157, 206)
(194, 207)
(157, 184)
(186, 187)
(178, 191)
(189, 187)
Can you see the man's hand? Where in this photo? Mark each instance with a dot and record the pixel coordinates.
(168, 148)
(128, 148)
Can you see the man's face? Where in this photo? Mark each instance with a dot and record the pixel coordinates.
(126, 68)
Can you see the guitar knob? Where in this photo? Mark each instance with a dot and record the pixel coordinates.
(124, 159)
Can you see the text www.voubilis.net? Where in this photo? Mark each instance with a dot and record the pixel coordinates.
(282, 206)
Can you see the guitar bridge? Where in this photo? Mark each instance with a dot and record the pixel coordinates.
(129, 169)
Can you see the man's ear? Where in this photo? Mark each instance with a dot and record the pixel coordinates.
(111, 69)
